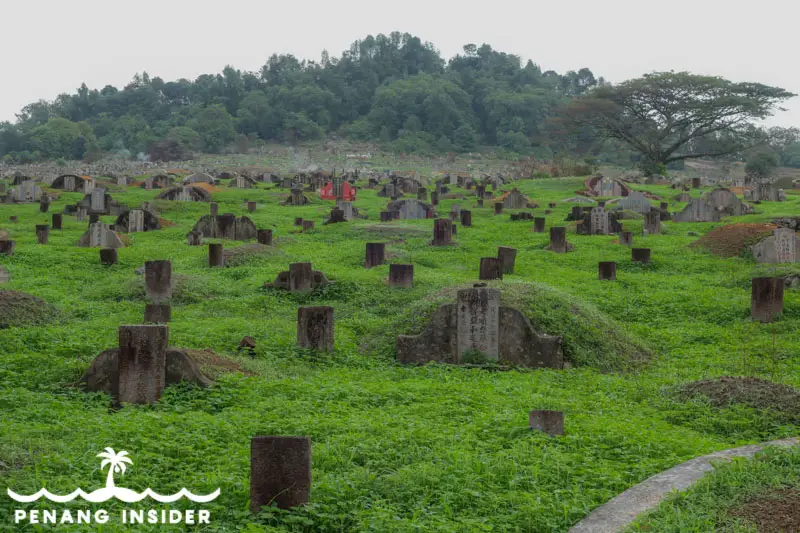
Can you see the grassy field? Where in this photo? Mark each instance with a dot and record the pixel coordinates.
(395, 449)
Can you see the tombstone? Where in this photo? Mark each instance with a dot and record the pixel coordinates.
(387, 216)
(607, 270)
(94, 218)
(422, 194)
(538, 224)
(576, 213)
(80, 214)
(308, 225)
(498, 208)
(480, 203)
(401, 275)
(551, 205)
(490, 268)
(44, 204)
(337, 216)
(478, 312)
(56, 220)
(455, 211)
(599, 221)
(766, 298)
(280, 472)
(315, 328)
(142, 363)
(442, 232)
(652, 222)
(507, 258)
(434, 198)
(100, 235)
(158, 280)
(375, 254)
(194, 238)
(301, 277)
(122, 182)
(298, 221)
(550, 422)
(785, 245)
(5, 275)
(159, 313)
(695, 183)
(42, 233)
(108, 256)
(636, 202)
(214, 209)
(480, 190)
(97, 201)
(558, 239)
(466, 218)
(640, 255)
(251, 207)
(698, 210)
(215, 255)
(663, 206)
(135, 221)
(13, 218)
(626, 238)
(264, 236)
(7, 247)
(346, 208)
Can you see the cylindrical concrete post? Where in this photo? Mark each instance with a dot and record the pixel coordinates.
(280, 472)
(215, 257)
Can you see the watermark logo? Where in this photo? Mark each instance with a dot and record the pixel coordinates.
(117, 463)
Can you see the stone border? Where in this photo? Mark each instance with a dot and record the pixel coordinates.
(618, 513)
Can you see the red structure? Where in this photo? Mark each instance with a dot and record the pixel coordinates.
(336, 189)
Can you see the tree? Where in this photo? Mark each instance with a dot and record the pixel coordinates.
(215, 126)
(761, 166)
(660, 115)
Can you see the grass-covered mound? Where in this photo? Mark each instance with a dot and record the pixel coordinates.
(21, 309)
(734, 239)
(591, 338)
(760, 495)
(751, 392)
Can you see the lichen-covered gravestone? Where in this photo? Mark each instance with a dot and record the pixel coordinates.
(478, 321)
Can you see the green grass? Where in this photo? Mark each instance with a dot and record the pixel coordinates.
(395, 448)
(707, 505)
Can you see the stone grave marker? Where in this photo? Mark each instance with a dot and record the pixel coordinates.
(375, 254)
(442, 232)
(550, 422)
(280, 472)
(507, 258)
(766, 299)
(478, 311)
(401, 275)
(216, 258)
(142, 363)
(315, 328)
(158, 280)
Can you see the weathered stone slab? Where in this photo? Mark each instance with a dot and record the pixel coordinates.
(478, 321)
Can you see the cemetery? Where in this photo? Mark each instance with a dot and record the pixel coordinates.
(427, 361)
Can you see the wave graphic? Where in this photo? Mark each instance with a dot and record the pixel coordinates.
(120, 493)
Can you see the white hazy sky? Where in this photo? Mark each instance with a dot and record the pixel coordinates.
(52, 46)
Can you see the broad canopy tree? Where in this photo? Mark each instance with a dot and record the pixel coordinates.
(673, 116)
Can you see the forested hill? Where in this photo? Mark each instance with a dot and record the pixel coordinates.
(395, 89)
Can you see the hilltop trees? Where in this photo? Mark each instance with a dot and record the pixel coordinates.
(673, 116)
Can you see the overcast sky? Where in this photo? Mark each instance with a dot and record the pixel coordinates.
(52, 46)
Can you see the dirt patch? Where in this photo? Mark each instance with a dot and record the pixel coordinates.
(394, 233)
(21, 309)
(776, 512)
(752, 392)
(214, 365)
(732, 240)
(205, 186)
(240, 254)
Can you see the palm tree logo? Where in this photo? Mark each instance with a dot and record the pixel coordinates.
(116, 464)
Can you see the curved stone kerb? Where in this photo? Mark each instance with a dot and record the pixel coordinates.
(616, 514)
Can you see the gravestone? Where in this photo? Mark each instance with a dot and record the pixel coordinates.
(158, 313)
(214, 209)
(280, 472)
(599, 221)
(158, 280)
(455, 211)
(264, 236)
(637, 202)
(315, 328)
(785, 245)
(7, 247)
(626, 238)
(226, 226)
(346, 208)
(576, 213)
(550, 422)
(695, 183)
(698, 210)
(640, 255)
(194, 238)
(42, 233)
(100, 235)
(108, 256)
(422, 194)
(607, 270)
(57, 220)
(142, 363)
(337, 216)
(94, 218)
(507, 258)
(97, 201)
(442, 232)
(434, 198)
(401, 275)
(44, 204)
(652, 222)
(478, 311)
(766, 298)
(5, 275)
(539, 224)
(80, 214)
(491, 268)
(308, 225)
(375, 254)
(300, 277)
(558, 239)
(251, 207)
(135, 221)
(498, 208)
(215, 255)
(387, 216)
(466, 218)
